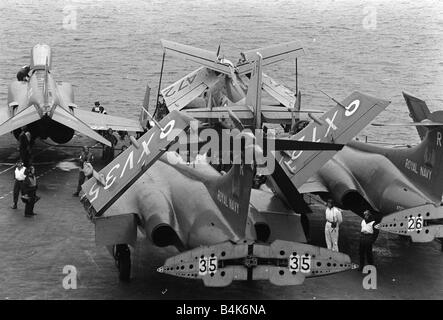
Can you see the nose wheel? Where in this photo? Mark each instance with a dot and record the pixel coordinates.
(122, 256)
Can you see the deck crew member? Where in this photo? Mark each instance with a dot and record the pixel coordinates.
(23, 73)
(25, 146)
(124, 147)
(367, 238)
(85, 157)
(101, 109)
(333, 221)
(108, 152)
(30, 188)
(162, 109)
(18, 183)
(96, 107)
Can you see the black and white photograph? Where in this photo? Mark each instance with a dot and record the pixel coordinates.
(213, 150)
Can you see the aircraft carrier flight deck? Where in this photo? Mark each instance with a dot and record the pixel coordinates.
(35, 251)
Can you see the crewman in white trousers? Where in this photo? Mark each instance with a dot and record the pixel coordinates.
(333, 221)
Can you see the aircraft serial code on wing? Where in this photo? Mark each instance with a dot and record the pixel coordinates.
(223, 309)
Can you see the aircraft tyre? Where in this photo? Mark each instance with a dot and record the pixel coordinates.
(122, 256)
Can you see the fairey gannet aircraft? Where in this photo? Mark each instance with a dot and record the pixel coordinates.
(222, 84)
(47, 108)
(225, 230)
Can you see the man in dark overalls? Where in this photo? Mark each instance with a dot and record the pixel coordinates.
(85, 156)
(23, 73)
(25, 146)
(30, 189)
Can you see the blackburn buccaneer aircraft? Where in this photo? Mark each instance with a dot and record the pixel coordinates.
(47, 108)
(220, 81)
(226, 230)
(402, 185)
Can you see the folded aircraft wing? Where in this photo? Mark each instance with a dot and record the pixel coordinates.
(125, 169)
(204, 114)
(276, 114)
(279, 92)
(21, 119)
(99, 121)
(272, 54)
(339, 125)
(185, 90)
(201, 56)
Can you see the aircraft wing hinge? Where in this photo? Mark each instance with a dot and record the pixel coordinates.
(423, 223)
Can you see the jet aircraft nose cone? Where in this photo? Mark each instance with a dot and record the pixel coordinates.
(160, 269)
(354, 266)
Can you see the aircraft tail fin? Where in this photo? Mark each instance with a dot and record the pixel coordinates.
(419, 111)
(423, 163)
(231, 192)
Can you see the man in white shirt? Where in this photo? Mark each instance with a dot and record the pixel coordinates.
(366, 239)
(333, 220)
(18, 183)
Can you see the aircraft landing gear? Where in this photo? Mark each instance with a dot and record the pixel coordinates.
(122, 256)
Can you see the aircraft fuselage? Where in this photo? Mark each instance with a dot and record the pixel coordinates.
(175, 209)
(362, 175)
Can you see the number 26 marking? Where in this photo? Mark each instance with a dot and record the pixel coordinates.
(415, 223)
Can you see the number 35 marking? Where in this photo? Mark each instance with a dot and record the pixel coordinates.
(297, 263)
(206, 265)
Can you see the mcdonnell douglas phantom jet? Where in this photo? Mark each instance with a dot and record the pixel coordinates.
(225, 230)
(47, 108)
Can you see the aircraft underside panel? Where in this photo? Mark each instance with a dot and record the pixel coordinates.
(423, 223)
(281, 262)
